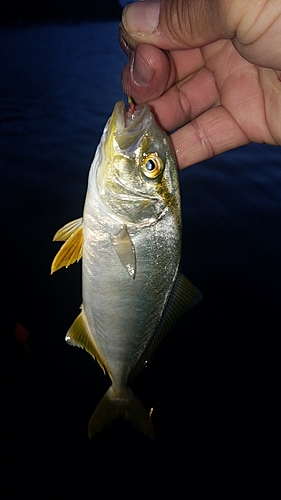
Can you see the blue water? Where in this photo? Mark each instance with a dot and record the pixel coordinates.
(214, 383)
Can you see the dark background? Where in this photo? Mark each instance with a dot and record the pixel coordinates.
(214, 382)
(25, 11)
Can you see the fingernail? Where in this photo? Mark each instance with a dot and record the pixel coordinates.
(141, 17)
(142, 73)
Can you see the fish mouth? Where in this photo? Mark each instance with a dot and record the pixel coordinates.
(129, 126)
(126, 118)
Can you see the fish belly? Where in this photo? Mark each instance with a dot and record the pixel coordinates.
(123, 312)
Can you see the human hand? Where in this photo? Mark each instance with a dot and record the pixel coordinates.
(210, 70)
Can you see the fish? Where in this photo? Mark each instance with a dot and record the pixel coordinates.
(129, 239)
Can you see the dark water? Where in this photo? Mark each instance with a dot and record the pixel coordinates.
(214, 383)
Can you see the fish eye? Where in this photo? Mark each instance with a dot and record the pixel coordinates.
(152, 165)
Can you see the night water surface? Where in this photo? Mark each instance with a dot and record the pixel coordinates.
(214, 382)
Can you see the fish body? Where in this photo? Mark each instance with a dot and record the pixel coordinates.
(130, 241)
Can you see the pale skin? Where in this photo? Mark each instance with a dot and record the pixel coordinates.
(210, 70)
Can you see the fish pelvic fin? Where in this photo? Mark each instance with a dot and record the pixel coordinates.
(71, 250)
(79, 335)
(126, 405)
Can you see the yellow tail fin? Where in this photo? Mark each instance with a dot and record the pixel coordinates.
(125, 405)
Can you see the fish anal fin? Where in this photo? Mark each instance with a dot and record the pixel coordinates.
(183, 296)
(71, 251)
(124, 405)
(79, 335)
(125, 250)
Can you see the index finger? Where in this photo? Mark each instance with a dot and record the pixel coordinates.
(151, 71)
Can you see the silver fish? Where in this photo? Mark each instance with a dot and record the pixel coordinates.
(130, 241)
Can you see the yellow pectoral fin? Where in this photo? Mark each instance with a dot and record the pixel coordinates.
(79, 335)
(66, 231)
(71, 250)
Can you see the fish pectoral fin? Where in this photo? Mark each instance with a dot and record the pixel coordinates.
(79, 335)
(66, 231)
(183, 296)
(124, 405)
(71, 250)
(125, 250)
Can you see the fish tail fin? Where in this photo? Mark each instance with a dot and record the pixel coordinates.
(126, 405)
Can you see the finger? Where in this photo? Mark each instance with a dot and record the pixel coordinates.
(149, 72)
(210, 134)
(179, 24)
(175, 24)
(186, 100)
(186, 62)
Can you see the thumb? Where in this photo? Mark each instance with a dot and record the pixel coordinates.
(173, 24)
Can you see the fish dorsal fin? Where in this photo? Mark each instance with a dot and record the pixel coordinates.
(71, 250)
(79, 335)
(125, 250)
(184, 295)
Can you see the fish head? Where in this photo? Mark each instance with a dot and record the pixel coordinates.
(136, 174)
